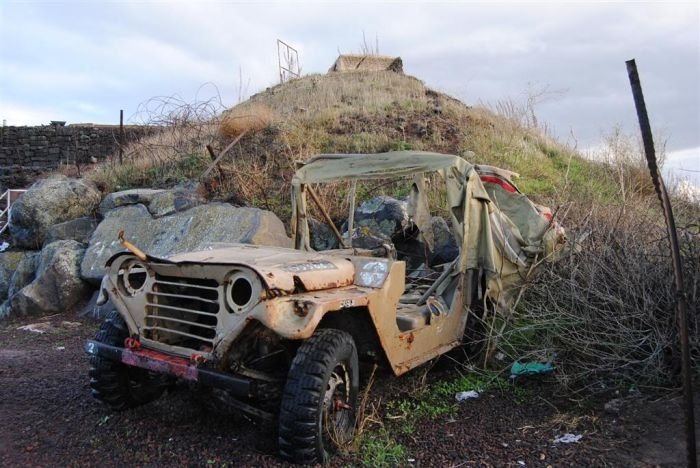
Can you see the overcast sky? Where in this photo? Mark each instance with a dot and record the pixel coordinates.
(83, 61)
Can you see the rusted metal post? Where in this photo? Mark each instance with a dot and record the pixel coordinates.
(121, 136)
(681, 303)
(351, 215)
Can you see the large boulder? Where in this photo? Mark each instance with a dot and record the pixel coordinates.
(322, 236)
(79, 230)
(25, 272)
(185, 231)
(9, 261)
(158, 202)
(445, 247)
(127, 197)
(57, 285)
(48, 202)
(382, 216)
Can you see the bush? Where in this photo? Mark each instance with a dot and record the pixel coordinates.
(607, 312)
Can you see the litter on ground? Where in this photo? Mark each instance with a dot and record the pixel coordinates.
(568, 439)
(530, 368)
(461, 396)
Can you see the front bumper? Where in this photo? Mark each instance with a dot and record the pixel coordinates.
(155, 361)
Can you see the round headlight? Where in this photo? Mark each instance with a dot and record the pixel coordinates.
(134, 276)
(243, 290)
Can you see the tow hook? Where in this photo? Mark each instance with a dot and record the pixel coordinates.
(198, 359)
(132, 343)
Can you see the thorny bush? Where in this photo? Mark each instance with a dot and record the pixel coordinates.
(606, 313)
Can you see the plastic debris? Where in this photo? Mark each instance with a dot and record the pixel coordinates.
(471, 394)
(568, 439)
(60, 348)
(4, 246)
(530, 368)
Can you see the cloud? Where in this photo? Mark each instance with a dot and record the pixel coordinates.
(68, 58)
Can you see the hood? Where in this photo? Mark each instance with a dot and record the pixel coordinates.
(280, 268)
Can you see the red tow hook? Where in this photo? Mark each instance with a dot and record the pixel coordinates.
(132, 343)
(198, 359)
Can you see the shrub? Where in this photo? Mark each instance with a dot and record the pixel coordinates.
(607, 312)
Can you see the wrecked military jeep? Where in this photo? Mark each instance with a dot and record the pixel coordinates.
(278, 332)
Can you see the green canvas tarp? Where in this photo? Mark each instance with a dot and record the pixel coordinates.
(500, 231)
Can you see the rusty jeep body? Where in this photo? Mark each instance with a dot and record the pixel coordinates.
(278, 332)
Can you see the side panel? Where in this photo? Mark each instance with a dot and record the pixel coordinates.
(406, 350)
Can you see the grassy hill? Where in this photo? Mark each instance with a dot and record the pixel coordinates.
(380, 111)
(361, 112)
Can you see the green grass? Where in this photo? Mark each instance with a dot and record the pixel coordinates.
(378, 449)
(438, 399)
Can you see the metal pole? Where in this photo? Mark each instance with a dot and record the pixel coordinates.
(351, 215)
(121, 136)
(681, 304)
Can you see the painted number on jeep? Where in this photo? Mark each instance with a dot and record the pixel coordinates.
(346, 303)
(91, 348)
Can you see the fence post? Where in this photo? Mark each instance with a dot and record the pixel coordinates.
(681, 304)
(121, 137)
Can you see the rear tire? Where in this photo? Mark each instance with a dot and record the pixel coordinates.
(319, 404)
(117, 385)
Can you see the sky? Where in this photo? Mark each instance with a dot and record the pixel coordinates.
(83, 61)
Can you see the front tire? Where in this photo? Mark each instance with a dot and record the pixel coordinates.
(319, 403)
(117, 385)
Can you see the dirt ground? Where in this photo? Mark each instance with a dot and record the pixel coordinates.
(48, 418)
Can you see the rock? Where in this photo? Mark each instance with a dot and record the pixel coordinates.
(185, 231)
(57, 286)
(127, 197)
(181, 198)
(445, 247)
(79, 229)
(25, 273)
(322, 236)
(361, 238)
(382, 216)
(48, 202)
(9, 261)
(159, 202)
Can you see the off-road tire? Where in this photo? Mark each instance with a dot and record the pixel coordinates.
(302, 432)
(117, 385)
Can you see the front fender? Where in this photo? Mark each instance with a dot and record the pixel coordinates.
(296, 317)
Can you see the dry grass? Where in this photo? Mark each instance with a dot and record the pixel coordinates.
(329, 96)
(171, 155)
(246, 117)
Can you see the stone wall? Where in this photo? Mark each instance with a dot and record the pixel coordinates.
(26, 152)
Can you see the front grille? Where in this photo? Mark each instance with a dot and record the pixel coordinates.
(182, 312)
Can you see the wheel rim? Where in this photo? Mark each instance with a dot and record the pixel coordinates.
(337, 414)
